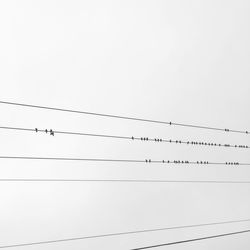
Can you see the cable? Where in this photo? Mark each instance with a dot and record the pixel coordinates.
(193, 143)
(123, 233)
(192, 240)
(125, 117)
(122, 181)
(124, 160)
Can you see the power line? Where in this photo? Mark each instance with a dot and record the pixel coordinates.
(125, 117)
(122, 181)
(149, 161)
(192, 240)
(133, 138)
(123, 233)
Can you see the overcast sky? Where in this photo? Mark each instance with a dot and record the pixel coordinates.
(179, 61)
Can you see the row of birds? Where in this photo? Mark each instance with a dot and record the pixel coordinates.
(188, 162)
(189, 142)
(52, 133)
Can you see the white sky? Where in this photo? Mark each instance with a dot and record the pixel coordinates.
(181, 61)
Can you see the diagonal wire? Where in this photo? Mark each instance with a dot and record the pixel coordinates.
(123, 233)
(134, 138)
(148, 161)
(121, 180)
(125, 117)
(192, 240)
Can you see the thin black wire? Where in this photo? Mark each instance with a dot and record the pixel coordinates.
(148, 161)
(126, 117)
(122, 180)
(123, 233)
(192, 240)
(125, 137)
(68, 159)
